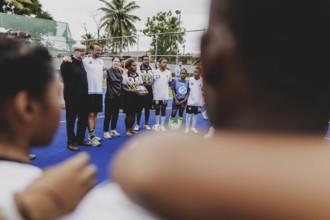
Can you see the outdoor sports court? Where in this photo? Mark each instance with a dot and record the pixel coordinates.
(100, 156)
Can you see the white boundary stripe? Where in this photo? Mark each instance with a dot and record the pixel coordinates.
(119, 114)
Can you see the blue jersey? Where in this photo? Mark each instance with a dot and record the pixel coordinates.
(181, 88)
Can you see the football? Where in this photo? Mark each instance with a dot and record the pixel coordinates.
(174, 126)
(156, 128)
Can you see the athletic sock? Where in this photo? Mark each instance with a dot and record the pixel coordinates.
(157, 119)
(91, 134)
(179, 122)
(188, 118)
(163, 120)
(170, 121)
(194, 120)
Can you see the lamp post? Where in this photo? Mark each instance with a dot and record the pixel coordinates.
(184, 58)
(178, 12)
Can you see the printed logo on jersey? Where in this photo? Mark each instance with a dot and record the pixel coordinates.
(182, 90)
(191, 83)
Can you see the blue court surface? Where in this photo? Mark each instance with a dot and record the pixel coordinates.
(100, 156)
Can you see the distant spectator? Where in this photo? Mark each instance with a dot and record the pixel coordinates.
(178, 70)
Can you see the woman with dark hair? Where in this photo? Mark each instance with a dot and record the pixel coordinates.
(29, 117)
(131, 86)
(112, 98)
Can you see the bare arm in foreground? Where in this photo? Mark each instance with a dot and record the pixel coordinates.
(58, 191)
(235, 175)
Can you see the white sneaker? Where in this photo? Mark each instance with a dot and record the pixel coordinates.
(95, 142)
(147, 127)
(32, 156)
(210, 133)
(97, 138)
(204, 114)
(194, 130)
(137, 127)
(115, 133)
(162, 128)
(107, 135)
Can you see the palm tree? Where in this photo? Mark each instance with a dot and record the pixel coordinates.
(87, 39)
(119, 23)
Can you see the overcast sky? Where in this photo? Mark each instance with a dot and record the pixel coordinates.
(194, 16)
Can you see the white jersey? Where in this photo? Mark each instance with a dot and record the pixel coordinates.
(108, 201)
(195, 95)
(15, 177)
(132, 82)
(161, 88)
(94, 69)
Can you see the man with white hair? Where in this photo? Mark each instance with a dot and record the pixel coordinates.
(76, 97)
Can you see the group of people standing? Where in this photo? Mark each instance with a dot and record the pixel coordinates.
(83, 83)
(128, 87)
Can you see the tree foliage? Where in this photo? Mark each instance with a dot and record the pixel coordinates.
(38, 28)
(119, 24)
(88, 39)
(6, 4)
(24, 7)
(164, 28)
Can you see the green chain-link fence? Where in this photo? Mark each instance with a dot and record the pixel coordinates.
(56, 36)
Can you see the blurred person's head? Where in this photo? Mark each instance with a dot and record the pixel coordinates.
(183, 74)
(29, 94)
(162, 63)
(197, 72)
(79, 51)
(266, 65)
(116, 62)
(96, 50)
(131, 65)
(180, 63)
(156, 65)
(145, 60)
(122, 62)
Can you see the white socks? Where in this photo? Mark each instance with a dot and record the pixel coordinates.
(188, 119)
(157, 119)
(162, 120)
(194, 120)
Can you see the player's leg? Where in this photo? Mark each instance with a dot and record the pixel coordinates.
(163, 115)
(157, 112)
(196, 111)
(188, 118)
